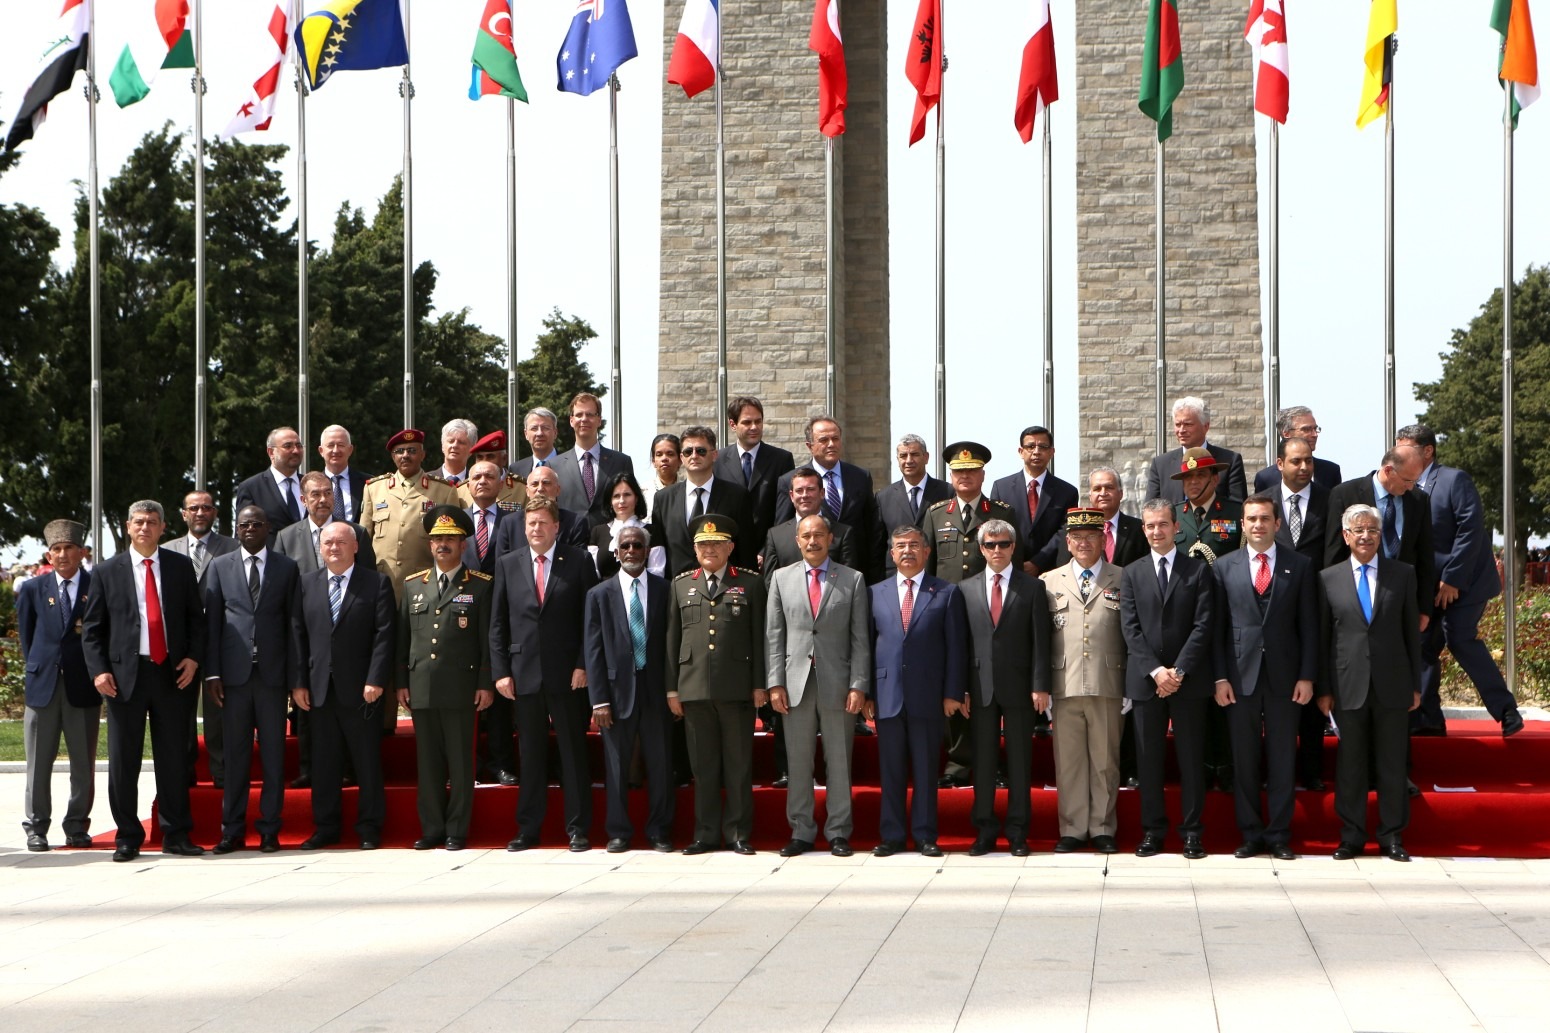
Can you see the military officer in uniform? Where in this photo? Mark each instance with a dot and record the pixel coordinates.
(444, 675)
(952, 532)
(715, 680)
(510, 491)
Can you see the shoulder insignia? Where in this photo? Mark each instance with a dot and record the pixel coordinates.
(984, 504)
(423, 575)
(426, 479)
(481, 575)
(939, 505)
(688, 574)
(380, 477)
(511, 480)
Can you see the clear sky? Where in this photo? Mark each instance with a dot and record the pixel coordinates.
(1449, 157)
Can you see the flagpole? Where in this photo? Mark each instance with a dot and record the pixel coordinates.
(615, 379)
(940, 445)
(1049, 283)
(406, 91)
(1390, 408)
(1273, 333)
(721, 240)
(512, 413)
(96, 286)
(201, 363)
(1162, 296)
(1509, 514)
(830, 359)
(303, 328)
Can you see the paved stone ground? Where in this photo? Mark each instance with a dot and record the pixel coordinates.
(398, 940)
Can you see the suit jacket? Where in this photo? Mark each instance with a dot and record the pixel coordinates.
(512, 534)
(715, 641)
(1087, 644)
(1055, 498)
(51, 648)
(357, 651)
(574, 497)
(893, 510)
(295, 542)
(781, 550)
(215, 545)
(444, 639)
(670, 522)
(1325, 474)
(1385, 655)
(1415, 543)
(834, 646)
(247, 642)
(1232, 483)
(858, 508)
(768, 465)
(610, 649)
(260, 490)
(1009, 660)
(1282, 640)
(914, 670)
(539, 646)
(1168, 631)
(110, 628)
(1129, 543)
(503, 515)
(1315, 524)
(524, 466)
(952, 552)
(1461, 540)
(357, 486)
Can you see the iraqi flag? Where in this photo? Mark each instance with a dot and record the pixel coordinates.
(1266, 33)
(1037, 87)
(695, 54)
(257, 110)
(63, 55)
(833, 81)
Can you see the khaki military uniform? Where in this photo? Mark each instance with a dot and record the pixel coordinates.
(954, 553)
(391, 508)
(513, 493)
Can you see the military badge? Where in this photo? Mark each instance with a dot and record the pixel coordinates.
(462, 620)
(1059, 620)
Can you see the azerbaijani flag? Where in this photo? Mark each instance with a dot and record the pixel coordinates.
(1162, 66)
(695, 54)
(1378, 61)
(160, 39)
(495, 56)
(1519, 63)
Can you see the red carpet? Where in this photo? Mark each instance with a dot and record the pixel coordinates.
(1507, 814)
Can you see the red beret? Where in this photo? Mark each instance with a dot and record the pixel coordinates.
(495, 441)
(405, 437)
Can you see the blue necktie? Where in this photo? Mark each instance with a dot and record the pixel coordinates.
(637, 625)
(339, 495)
(1390, 529)
(747, 469)
(831, 494)
(65, 604)
(335, 596)
(1364, 593)
(1087, 583)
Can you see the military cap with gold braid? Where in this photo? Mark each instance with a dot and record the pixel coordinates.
(1084, 518)
(966, 455)
(447, 520)
(713, 527)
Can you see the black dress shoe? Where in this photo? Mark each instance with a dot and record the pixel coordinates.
(1002, 783)
(301, 782)
(1151, 845)
(1411, 788)
(368, 843)
(126, 852)
(700, 846)
(1396, 851)
(316, 842)
(1314, 785)
(78, 841)
(507, 778)
(1019, 848)
(742, 846)
(1105, 845)
(1512, 723)
(1346, 852)
(1132, 782)
(1435, 730)
(982, 847)
(182, 848)
(1251, 848)
(617, 845)
(887, 848)
(1069, 844)
(580, 844)
(930, 849)
(796, 848)
(1282, 852)
(37, 843)
(229, 844)
(1193, 849)
(839, 846)
(662, 845)
(456, 842)
(522, 843)
(781, 782)
(268, 843)
(427, 843)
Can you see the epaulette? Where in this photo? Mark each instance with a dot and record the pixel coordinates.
(424, 575)
(939, 505)
(436, 477)
(481, 575)
(380, 477)
(687, 573)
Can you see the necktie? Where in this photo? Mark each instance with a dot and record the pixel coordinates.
(1200, 516)
(711, 585)
(482, 535)
(65, 605)
(915, 500)
(814, 589)
(1162, 576)
(540, 462)
(453, 479)
(339, 496)
(968, 515)
(155, 630)
(588, 476)
(831, 494)
(538, 577)
(1390, 529)
(335, 596)
(699, 504)
(1295, 520)
(1364, 593)
(1087, 584)
(1033, 500)
(253, 580)
(200, 559)
(995, 601)
(317, 544)
(291, 505)
(747, 469)
(441, 585)
(1108, 540)
(637, 625)
(1262, 574)
(907, 607)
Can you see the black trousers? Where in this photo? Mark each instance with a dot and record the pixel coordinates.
(1264, 724)
(347, 728)
(650, 725)
(570, 712)
(988, 722)
(215, 733)
(250, 708)
(157, 700)
(444, 762)
(498, 749)
(909, 748)
(1384, 733)
(720, 739)
(1188, 717)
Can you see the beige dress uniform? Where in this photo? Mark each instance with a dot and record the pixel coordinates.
(392, 507)
(1087, 683)
(512, 491)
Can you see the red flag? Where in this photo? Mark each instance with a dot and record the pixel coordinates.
(833, 84)
(1266, 33)
(1037, 87)
(923, 64)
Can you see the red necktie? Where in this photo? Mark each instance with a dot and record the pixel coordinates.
(907, 607)
(814, 589)
(482, 535)
(995, 601)
(1262, 575)
(156, 631)
(1108, 541)
(1033, 500)
(538, 577)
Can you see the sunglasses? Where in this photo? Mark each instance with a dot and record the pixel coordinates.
(996, 544)
(694, 450)
(630, 547)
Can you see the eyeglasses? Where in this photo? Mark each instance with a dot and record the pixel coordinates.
(407, 450)
(199, 509)
(630, 547)
(1038, 446)
(694, 450)
(251, 523)
(997, 544)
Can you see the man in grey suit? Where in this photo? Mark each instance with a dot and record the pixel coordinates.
(201, 545)
(818, 626)
(584, 469)
(539, 427)
(1370, 656)
(1191, 422)
(906, 500)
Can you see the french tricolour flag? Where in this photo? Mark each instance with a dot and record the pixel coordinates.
(693, 64)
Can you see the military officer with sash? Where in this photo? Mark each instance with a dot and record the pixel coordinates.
(1210, 525)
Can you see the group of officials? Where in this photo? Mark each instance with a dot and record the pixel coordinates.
(557, 594)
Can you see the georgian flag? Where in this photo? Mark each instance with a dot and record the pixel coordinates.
(258, 109)
(1266, 33)
(694, 59)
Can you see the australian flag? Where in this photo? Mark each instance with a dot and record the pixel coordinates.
(599, 41)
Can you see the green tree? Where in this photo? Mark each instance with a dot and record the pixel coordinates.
(1464, 406)
(554, 373)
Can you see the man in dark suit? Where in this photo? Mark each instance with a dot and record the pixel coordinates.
(755, 464)
(1191, 422)
(1266, 650)
(56, 689)
(847, 490)
(675, 507)
(1466, 581)
(457, 444)
(780, 545)
(1407, 521)
(542, 482)
(345, 626)
(537, 658)
(143, 636)
(277, 490)
(1297, 423)
(540, 427)
(587, 467)
(1123, 541)
(1370, 656)
(1009, 680)
(252, 599)
(1038, 500)
(488, 509)
(336, 448)
(1165, 612)
(906, 500)
(626, 633)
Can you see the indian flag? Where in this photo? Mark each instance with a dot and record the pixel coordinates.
(159, 39)
(1518, 64)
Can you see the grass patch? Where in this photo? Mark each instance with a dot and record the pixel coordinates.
(12, 748)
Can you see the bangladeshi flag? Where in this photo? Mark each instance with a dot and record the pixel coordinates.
(1162, 67)
(495, 56)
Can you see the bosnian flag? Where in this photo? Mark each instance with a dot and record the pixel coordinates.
(258, 109)
(694, 59)
(1266, 33)
(1037, 86)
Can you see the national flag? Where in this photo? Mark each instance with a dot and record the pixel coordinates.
(258, 109)
(349, 36)
(495, 56)
(696, 51)
(833, 80)
(1037, 87)
(1162, 66)
(1519, 62)
(599, 40)
(1266, 32)
(1378, 61)
(159, 39)
(923, 64)
(63, 56)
